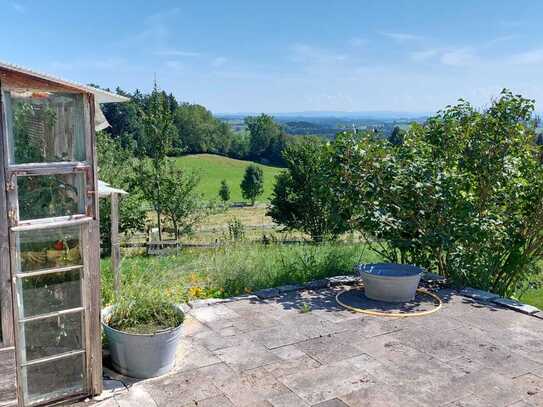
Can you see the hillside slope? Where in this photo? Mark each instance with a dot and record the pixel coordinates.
(214, 168)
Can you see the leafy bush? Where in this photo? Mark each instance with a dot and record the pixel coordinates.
(463, 193)
(252, 184)
(302, 198)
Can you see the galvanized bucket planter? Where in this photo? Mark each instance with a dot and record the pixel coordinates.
(390, 282)
(141, 356)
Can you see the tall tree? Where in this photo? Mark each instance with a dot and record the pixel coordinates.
(158, 136)
(252, 184)
(263, 132)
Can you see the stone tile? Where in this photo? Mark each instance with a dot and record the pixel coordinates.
(287, 400)
(215, 317)
(217, 401)
(277, 336)
(288, 352)
(246, 357)
(432, 277)
(379, 396)
(331, 403)
(253, 389)
(367, 326)
(478, 295)
(136, 397)
(344, 280)
(329, 348)
(185, 387)
(516, 306)
(290, 287)
(192, 356)
(291, 366)
(317, 284)
(330, 381)
(267, 293)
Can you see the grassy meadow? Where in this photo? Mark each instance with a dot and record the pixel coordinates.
(214, 168)
(234, 269)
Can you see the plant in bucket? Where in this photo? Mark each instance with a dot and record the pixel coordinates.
(143, 329)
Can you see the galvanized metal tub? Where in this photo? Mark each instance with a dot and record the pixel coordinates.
(141, 356)
(390, 282)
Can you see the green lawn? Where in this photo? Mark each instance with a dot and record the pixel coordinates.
(533, 297)
(214, 168)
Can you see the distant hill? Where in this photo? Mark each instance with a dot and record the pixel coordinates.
(214, 168)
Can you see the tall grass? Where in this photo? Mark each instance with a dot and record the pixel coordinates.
(234, 269)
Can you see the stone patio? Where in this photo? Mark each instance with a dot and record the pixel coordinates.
(252, 352)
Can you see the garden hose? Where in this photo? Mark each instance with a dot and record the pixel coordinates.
(436, 298)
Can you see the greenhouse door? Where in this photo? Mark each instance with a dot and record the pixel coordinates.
(51, 207)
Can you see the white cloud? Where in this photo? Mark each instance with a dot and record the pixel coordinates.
(534, 56)
(310, 54)
(401, 37)
(459, 57)
(218, 62)
(358, 42)
(18, 7)
(176, 53)
(424, 55)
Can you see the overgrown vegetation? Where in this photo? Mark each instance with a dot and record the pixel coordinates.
(461, 195)
(233, 270)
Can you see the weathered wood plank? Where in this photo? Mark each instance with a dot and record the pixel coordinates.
(8, 387)
(115, 244)
(5, 264)
(95, 301)
(17, 80)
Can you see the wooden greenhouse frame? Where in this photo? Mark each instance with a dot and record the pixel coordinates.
(28, 357)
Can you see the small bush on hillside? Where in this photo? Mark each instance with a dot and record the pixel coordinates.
(224, 191)
(252, 185)
(462, 195)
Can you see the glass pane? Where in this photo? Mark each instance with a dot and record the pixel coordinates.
(44, 126)
(48, 248)
(52, 336)
(49, 196)
(51, 293)
(54, 379)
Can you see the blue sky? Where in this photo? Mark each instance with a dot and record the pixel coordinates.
(284, 56)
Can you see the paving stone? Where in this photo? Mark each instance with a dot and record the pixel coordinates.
(344, 280)
(267, 293)
(217, 401)
(432, 277)
(329, 348)
(206, 302)
(287, 400)
(378, 396)
(277, 336)
(185, 387)
(291, 366)
(330, 381)
(478, 295)
(331, 403)
(246, 357)
(136, 397)
(253, 389)
(289, 288)
(317, 284)
(517, 306)
(288, 352)
(192, 356)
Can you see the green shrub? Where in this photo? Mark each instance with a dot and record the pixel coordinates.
(462, 195)
(302, 199)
